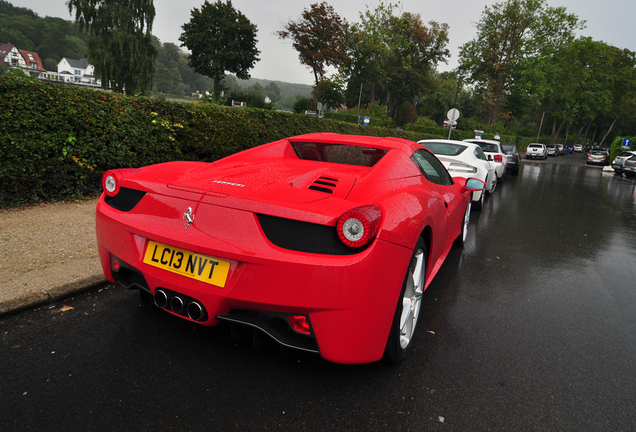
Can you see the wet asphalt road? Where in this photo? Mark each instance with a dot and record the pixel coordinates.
(532, 326)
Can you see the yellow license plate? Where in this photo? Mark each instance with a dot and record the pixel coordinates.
(195, 266)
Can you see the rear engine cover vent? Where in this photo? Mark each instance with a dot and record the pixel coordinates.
(324, 184)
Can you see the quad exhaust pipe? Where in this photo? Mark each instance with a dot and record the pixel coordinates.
(161, 299)
(179, 304)
(195, 311)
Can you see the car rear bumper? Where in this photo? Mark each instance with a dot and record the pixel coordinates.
(350, 300)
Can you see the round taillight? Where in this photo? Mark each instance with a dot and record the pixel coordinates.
(110, 183)
(357, 227)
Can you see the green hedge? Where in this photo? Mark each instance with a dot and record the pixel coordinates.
(617, 146)
(56, 140)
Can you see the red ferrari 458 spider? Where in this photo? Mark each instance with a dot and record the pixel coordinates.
(324, 242)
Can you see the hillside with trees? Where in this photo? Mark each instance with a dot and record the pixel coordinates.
(525, 74)
(56, 38)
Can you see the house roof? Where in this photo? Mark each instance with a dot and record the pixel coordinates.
(80, 64)
(32, 58)
(4, 50)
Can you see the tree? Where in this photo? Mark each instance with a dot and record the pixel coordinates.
(419, 49)
(329, 92)
(120, 41)
(393, 55)
(319, 38)
(167, 76)
(512, 37)
(220, 39)
(589, 78)
(368, 48)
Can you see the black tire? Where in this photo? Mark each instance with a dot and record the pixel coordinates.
(461, 239)
(399, 342)
(477, 205)
(494, 182)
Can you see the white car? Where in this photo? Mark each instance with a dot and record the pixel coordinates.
(495, 153)
(578, 148)
(463, 159)
(536, 150)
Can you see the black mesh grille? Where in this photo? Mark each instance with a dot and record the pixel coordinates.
(304, 237)
(125, 200)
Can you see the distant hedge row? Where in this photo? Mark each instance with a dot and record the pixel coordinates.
(56, 140)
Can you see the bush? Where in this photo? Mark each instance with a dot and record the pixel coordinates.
(58, 140)
(302, 105)
(617, 146)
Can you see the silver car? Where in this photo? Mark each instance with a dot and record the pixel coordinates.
(598, 157)
(619, 161)
(629, 166)
(563, 150)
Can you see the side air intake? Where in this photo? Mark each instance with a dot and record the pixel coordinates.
(324, 184)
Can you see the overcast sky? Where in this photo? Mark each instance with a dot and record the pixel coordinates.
(611, 21)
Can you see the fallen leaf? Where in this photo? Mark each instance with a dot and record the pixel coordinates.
(66, 308)
(431, 332)
(440, 419)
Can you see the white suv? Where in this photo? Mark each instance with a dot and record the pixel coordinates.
(535, 150)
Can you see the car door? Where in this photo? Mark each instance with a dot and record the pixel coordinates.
(450, 196)
(490, 166)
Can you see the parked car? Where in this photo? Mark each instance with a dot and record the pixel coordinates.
(598, 157)
(619, 161)
(578, 148)
(570, 148)
(552, 150)
(536, 151)
(495, 153)
(514, 159)
(301, 239)
(562, 149)
(629, 167)
(463, 159)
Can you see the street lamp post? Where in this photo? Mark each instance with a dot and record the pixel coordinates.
(461, 71)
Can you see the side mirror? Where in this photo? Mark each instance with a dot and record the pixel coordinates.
(474, 185)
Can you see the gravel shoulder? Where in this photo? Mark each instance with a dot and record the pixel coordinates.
(46, 252)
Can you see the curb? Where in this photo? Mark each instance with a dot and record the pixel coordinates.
(55, 294)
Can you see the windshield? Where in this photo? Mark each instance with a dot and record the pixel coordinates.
(444, 149)
(492, 148)
(508, 148)
(339, 153)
